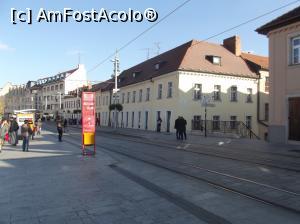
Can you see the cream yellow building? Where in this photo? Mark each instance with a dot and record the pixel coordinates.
(260, 65)
(284, 53)
(176, 83)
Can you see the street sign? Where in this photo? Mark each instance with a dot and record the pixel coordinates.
(208, 105)
(116, 90)
(206, 102)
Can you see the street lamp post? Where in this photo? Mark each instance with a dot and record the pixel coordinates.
(60, 93)
(206, 103)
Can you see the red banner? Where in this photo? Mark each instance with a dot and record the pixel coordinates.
(88, 112)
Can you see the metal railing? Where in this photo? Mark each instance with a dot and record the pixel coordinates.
(227, 127)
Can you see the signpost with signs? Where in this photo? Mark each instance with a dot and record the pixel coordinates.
(88, 121)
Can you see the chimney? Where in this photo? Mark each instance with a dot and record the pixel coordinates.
(233, 44)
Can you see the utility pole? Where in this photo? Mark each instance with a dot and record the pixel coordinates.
(157, 44)
(148, 52)
(116, 90)
(79, 57)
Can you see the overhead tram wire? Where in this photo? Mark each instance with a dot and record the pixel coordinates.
(139, 35)
(246, 22)
(208, 38)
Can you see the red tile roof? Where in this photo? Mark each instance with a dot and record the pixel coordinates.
(284, 20)
(195, 59)
(260, 62)
(191, 56)
(103, 86)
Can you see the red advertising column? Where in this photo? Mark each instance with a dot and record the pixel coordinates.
(88, 121)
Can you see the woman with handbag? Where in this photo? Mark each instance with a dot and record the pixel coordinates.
(3, 132)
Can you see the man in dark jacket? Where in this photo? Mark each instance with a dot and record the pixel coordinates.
(184, 123)
(177, 127)
(25, 132)
(60, 131)
(182, 128)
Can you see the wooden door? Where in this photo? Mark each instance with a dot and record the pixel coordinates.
(294, 118)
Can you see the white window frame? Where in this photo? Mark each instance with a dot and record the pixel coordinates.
(148, 94)
(249, 95)
(232, 98)
(170, 90)
(140, 95)
(297, 47)
(133, 96)
(197, 91)
(217, 92)
(159, 91)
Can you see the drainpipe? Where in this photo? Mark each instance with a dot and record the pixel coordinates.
(258, 103)
(110, 96)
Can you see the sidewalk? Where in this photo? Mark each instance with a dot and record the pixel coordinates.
(54, 183)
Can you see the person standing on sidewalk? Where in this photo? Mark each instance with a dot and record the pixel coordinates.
(39, 127)
(158, 124)
(3, 133)
(13, 131)
(60, 131)
(25, 132)
(177, 128)
(184, 123)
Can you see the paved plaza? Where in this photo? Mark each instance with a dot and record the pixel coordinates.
(54, 183)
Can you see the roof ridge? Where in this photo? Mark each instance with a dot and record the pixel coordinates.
(161, 55)
(258, 55)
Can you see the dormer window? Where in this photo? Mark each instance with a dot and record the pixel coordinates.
(135, 74)
(157, 66)
(216, 60)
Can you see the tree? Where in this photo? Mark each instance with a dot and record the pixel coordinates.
(116, 106)
(2, 105)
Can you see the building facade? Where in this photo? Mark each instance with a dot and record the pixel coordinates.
(284, 53)
(260, 65)
(46, 95)
(177, 82)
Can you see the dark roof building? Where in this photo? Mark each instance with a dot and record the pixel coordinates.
(284, 20)
(194, 56)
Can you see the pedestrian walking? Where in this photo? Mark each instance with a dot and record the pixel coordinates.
(60, 131)
(98, 121)
(25, 132)
(32, 128)
(3, 133)
(176, 126)
(13, 132)
(158, 124)
(39, 127)
(182, 128)
(65, 125)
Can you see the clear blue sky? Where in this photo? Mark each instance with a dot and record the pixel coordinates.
(29, 52)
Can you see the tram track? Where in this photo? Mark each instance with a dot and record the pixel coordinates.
(229, 155)
(185, 169)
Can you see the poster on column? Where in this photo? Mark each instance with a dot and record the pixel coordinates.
(88, 112)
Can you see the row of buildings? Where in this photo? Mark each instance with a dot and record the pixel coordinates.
(169, 85)
(243, 97)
